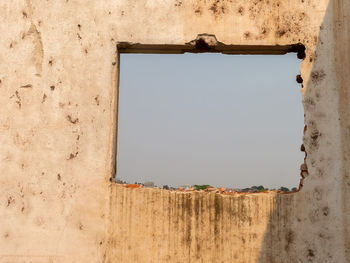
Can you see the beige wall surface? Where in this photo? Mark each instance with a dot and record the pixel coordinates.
(58, 97)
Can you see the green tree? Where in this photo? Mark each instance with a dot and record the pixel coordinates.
(200, 187)
(284, 189)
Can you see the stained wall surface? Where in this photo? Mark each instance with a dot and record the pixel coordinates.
(58, 97)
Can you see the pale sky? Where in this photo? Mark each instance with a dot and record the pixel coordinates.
(223, 120)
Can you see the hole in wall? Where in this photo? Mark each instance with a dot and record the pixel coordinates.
(210, 119)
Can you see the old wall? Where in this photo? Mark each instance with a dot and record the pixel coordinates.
(58, 87)
(167, 226)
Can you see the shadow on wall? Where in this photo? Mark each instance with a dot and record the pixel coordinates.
(280, 235)
(312, 225)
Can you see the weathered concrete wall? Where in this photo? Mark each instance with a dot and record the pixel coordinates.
(166, 226)
(58, 87)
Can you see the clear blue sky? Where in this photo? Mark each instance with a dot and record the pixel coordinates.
(223, 120)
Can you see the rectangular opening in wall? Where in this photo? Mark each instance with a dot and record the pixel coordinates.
(209, 119)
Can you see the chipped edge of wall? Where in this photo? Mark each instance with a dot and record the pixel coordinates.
(208, 43)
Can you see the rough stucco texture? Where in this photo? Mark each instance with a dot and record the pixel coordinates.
(58, 90)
